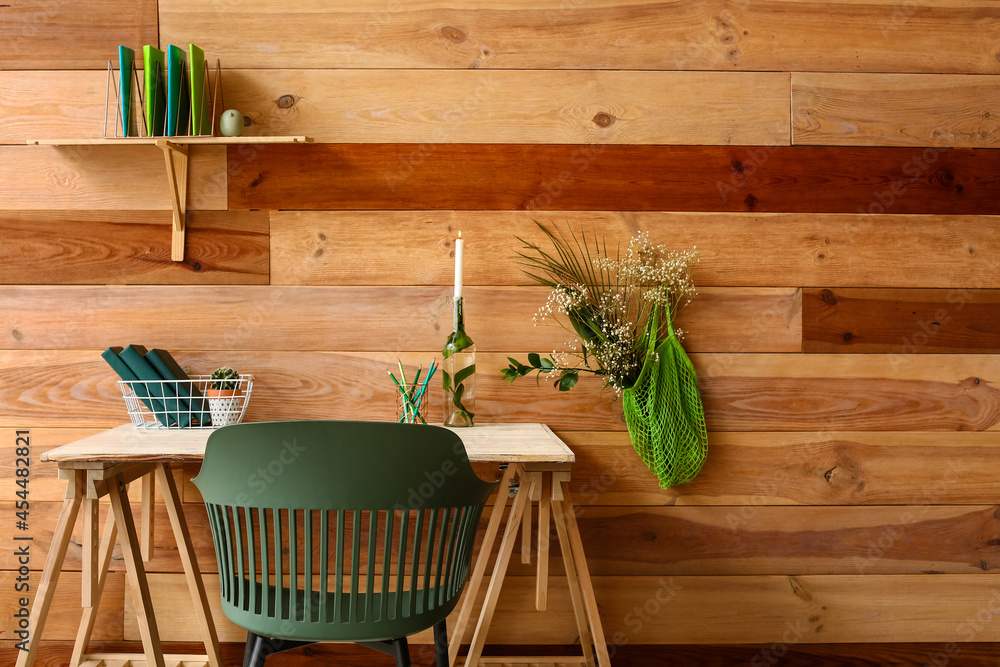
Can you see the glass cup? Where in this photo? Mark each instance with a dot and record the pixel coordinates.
(410, 404)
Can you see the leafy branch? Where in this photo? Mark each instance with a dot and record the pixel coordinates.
(537, 364)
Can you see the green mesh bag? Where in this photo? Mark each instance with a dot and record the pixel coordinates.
(664, 414)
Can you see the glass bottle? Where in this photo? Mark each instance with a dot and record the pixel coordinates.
(459, 373)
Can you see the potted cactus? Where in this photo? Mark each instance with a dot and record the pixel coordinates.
(224, 396)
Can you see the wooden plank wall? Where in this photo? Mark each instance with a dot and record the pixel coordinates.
(834, 162)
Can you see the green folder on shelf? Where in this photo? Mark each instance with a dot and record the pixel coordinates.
(154, 64)
(126, 63)
(178, 89)
(201, 121)
(111, 355)
(189, 394)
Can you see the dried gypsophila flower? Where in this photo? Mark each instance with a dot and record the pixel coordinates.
(614, 306)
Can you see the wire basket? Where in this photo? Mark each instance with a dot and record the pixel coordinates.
(190, 403)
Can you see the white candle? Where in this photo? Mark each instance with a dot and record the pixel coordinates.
(459, 243)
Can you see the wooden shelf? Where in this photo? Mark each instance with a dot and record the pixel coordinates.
(175, 153)
(152, 141)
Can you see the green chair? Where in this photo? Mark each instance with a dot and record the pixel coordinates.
(340, 531)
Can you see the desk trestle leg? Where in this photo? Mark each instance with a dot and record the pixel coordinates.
(136, 573)
(53, 566)
(90, 613)
(479, 571)
(549, 489)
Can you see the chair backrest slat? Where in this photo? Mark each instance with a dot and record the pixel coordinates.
(265, 571)
(418, 534)
(390, 516)
(251, 560)
(404, 527)
(355, 565)
(338, 597)
(221, 549)
(279, 567)
(293, 565)
(429, 557)
(443, 543)
(373, 521)
(307, 568)
(324, 561)
(230, 541)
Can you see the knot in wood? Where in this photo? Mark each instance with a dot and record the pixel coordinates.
(751, 202)
(453, 34)
(603, 119)
(828, 297)
(286, 101)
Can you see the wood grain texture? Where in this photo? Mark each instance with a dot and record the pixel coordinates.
(777, 35)
(59, 104)
(58, 34)
(741, 392)
(849, 392)
(82, 178)
(381, 318)
(45, 486)
(739, 609)
(773, 249)
(64, 614)
(515, 106)
(967, 654)
(809, 540)
(895, 110)
(747, 471)
(614, 178)
(685, 540)
(901, 321)
(129, 247)
(426, 106)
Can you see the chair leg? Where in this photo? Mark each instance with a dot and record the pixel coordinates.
(441, 644)
(258, 648)
(252, 655)
(402, 652)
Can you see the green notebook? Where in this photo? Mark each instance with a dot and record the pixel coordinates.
(126, 62)
(201, 121)
(171, 370)
(133, 356)
(178, 89)
(110, 355)
(154, 65)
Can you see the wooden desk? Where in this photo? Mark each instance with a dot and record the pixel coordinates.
(103, 464)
